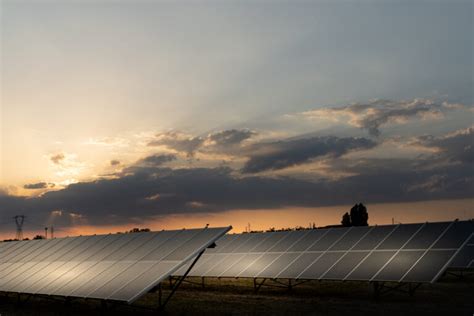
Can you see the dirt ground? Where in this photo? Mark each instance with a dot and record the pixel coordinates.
(451, 296)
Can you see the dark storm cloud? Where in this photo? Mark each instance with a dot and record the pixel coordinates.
(178, 191)
(149, 164)
(283, 154)
(446, 173)
(147, 189)
(455, 147)
(229, 138)
(3, 191)
(387, 180)
(167, 191)
(157, 160)
(178, 142)
(39, 185)
(57, 158)
(373, 115)
(221, 142)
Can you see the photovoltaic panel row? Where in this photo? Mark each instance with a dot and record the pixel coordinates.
(118, 267)
(401, 253)
(465, 258)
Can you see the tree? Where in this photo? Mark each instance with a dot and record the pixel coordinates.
(38, 237)
(139, 230)
(359, 215)
(346, 220)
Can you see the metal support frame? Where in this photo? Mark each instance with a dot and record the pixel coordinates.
(381, 288)
(289, 285)
(279, 284)
(175, 286)
(299, 281)
(460, 273)
(257, 285)
(173, 280)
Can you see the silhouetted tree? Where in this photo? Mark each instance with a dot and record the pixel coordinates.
(346, 220)
(359, 215)
(38, 237)
(139, 230)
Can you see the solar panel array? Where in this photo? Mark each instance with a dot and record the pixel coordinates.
(465, 258)
(400, 253)
(117, 267)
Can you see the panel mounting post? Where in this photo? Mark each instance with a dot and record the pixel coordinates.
(256, 285)
(162, 305)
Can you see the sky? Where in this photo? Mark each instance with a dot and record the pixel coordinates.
(164, 114)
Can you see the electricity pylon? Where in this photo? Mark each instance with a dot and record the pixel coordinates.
(19, 220)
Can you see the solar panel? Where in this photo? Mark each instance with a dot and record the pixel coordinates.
(257, 265)
(396, 267)
(465, 258)
(345, 265)
(273, 269)
(292, 269)
(373, 261)
(324, 262)
(417, 252)
(117, 267)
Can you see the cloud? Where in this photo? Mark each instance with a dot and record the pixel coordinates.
(228, 139)
(455, 147)
(67, 165)
(435, 183)
(156, 160)
(179, 142)
(3, 191)
(57, 158)
(149, 164)
(196, 190)
(150, 188)
(114, 162)
(445, 170)
(222, 142)
(283, 154)
(373, 115)
(166, 192)
(39, 185)
(107, 142)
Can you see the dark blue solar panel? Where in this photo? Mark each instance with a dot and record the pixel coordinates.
(429, 266)
(351, 238)
(426, 236)
(398, 266)
(400, 236)
(455, 235)
(373, 263)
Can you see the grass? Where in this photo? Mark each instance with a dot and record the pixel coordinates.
(450, 297)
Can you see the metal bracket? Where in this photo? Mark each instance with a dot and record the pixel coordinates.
(176, 285)
(256, 285)
(380, 288)
(202, 283)
(275, 283)
(461, 273)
